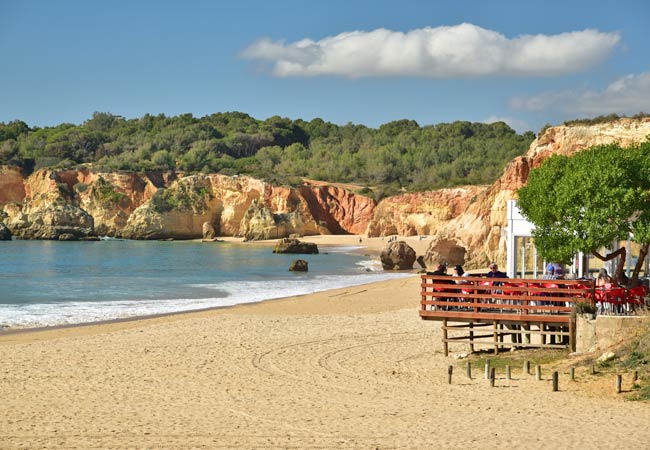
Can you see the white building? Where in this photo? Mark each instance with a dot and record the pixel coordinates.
(524, 262)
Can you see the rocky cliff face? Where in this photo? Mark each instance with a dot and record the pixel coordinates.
(466, 224)
(160, 206)
(481, 229)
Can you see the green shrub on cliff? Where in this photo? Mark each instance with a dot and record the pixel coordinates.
(183, 197)
(104, 192)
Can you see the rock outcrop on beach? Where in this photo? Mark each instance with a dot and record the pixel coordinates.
(5, 234)
(293, 245)
(397, 256)
(209, 232)
(57, 221)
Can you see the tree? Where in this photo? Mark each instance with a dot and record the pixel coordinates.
(589, 200)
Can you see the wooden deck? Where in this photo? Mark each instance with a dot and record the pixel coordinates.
(531, 312)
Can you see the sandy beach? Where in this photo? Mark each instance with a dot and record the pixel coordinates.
(348, 368)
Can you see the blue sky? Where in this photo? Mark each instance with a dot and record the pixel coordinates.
(365, 62)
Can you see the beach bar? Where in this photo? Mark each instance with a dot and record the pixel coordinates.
(504, 313)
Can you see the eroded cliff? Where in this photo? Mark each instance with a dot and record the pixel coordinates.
(465, 224)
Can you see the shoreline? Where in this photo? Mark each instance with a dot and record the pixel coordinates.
(371, 247)
(129, 322)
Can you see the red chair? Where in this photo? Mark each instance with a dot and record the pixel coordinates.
(635, 297)
(611, 297)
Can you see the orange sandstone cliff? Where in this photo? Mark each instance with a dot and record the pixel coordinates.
(464, 224)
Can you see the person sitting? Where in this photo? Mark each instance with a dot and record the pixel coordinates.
(603, 279)
(495, 272)
(441, 271)
(550, 273)
(459, 272)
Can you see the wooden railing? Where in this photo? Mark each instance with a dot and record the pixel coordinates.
(516, 307)
(503, 299)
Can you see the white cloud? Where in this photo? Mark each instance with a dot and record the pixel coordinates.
(463, 50)
(520, 126)
(627, 95)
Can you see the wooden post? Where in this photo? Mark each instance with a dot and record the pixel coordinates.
(487, 369)
(527, 367)
(593, 369)
(572, 374)
(471, 337)
(619, 383)
(495, 334)
(555, 381)
(492, 376)
(450, 371)
(538, 372)
(526, 336)
(469, 370)
(508, 372)
(572, 332)
(445, 344)
(636, 376)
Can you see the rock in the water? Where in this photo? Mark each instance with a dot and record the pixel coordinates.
(397, 256)
(5, 234)
(208, 231)
(290, 245)
(299, 265)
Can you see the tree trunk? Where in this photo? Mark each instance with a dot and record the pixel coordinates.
(619, 276)
(643, 252)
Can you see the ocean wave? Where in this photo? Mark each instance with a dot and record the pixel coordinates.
(227, 293)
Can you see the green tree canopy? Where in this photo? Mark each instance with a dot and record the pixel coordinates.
(397, 156)
(587, 201)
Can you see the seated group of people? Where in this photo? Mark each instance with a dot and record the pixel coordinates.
(441, 270)
(494, 272)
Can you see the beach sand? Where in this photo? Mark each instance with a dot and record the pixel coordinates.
(352, 368)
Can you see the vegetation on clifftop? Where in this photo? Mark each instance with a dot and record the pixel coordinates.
(396, 156)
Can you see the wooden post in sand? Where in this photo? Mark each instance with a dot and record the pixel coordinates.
(469, 370)
(445, 344)
(619, 383)
(487, 369)
(572, 332)
(572, 373)
(555, 381)
(471, 337)
(450, 370)
(492, 376)
(527, 367)
(508, 372)
(538, 372)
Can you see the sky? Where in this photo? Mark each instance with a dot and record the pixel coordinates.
(352, 61)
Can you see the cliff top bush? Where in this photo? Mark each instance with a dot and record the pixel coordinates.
(399, 155)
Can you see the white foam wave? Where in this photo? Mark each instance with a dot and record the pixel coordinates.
(371, 265)
(230, 293)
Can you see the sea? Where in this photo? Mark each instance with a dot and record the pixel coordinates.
(49, 283)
